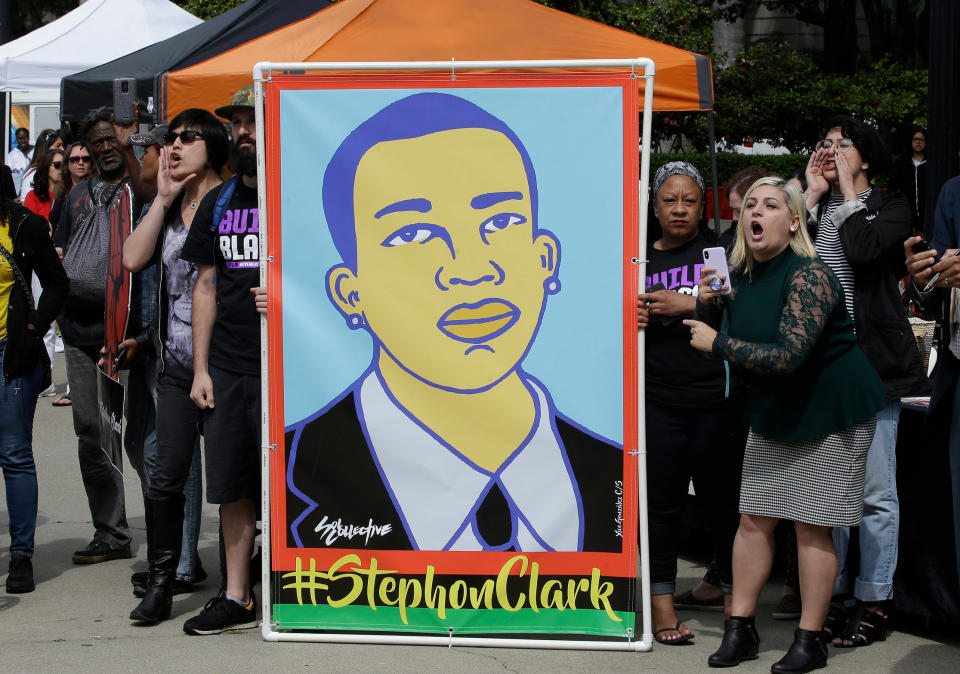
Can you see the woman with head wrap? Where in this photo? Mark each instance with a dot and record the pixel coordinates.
(694, 421)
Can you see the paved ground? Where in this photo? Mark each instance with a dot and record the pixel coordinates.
(77, 618)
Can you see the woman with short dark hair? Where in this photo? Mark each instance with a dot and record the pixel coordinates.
(190, 162)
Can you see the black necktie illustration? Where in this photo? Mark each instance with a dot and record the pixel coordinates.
(495, 522)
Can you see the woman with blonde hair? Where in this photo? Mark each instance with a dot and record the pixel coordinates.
(812, 405)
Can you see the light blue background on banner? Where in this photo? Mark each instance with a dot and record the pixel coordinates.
(575, 138)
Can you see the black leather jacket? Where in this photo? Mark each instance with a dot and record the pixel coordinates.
(33, 251)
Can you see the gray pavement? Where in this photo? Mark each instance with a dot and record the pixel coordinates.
(76, 619)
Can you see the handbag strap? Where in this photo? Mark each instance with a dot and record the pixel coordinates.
(8, 256)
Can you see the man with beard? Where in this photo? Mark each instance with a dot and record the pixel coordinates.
(93, 209)
(224, 243)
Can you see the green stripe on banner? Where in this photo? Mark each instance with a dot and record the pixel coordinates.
(465, 620)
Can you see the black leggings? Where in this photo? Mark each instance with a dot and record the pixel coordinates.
(705, 444)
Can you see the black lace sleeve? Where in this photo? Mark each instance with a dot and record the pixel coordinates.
(813, 295)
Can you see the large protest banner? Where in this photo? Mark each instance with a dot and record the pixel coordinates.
(453, 353)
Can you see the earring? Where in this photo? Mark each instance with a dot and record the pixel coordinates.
(552, 285)
(793, 229)
(355, 321)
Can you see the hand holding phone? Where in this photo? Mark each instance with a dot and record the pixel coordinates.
(124, 98)
(716, 258)
(936, 277)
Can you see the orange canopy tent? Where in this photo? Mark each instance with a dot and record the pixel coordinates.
(438, 30)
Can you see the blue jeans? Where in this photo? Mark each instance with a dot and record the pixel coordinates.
(880, 528)
(140, 437)
(18, 402)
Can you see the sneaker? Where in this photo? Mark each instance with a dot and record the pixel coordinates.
(20, 578)
(788, 608)
(222, 614)
(100, 551)
(48, 392)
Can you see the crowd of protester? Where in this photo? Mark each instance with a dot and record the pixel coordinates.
(775, 388)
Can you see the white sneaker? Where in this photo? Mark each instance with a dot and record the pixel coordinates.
(49, 392)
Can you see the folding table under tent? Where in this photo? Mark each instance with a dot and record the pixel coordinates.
(88, 89)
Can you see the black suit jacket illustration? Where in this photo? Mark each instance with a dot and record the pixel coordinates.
(334, 467)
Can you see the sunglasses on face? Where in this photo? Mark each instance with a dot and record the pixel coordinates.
(843, 144)
(79, 158)
(186, 137)
(57, 164)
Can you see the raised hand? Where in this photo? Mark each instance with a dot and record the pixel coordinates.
(817, 185)
(845, 177)
(168, 185)
(124, 131)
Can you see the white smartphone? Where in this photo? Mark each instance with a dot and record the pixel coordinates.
(717, 259)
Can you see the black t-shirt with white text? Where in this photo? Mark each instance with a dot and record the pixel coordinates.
(232, 245)
(677, 374)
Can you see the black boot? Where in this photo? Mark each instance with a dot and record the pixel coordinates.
(806, 653)
(740, 642)
(163, 554)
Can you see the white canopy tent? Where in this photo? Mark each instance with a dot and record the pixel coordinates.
(95, 32)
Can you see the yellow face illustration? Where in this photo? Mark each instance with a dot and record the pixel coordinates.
(450, 275)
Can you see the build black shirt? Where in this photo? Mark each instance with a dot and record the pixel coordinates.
(677, 374)
(232, 245)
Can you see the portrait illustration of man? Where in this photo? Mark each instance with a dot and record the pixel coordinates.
(445, 442)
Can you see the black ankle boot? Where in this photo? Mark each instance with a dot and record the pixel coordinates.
(163, 554)
(740, 642)
(806, 653)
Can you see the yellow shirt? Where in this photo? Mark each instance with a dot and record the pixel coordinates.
(6, 278)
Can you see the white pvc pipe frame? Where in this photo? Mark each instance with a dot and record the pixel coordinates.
(263, 71)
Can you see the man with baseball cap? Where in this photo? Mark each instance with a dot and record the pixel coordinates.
(151, 142)
(224, 243)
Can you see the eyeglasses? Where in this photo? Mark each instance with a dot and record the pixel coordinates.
(57, 164)
(103, 140)
(79, 158)
(186, 137)
(843, 144)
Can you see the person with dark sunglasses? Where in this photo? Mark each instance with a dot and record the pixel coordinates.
(186, 170)
(45, 183)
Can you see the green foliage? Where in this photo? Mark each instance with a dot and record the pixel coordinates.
(686, 24)
(28, 15)
(775, 93)
(728, 163)
(207, 9)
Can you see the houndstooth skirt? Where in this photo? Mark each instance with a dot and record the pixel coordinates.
(816, 481)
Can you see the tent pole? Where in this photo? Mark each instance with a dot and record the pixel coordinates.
(713, 170)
